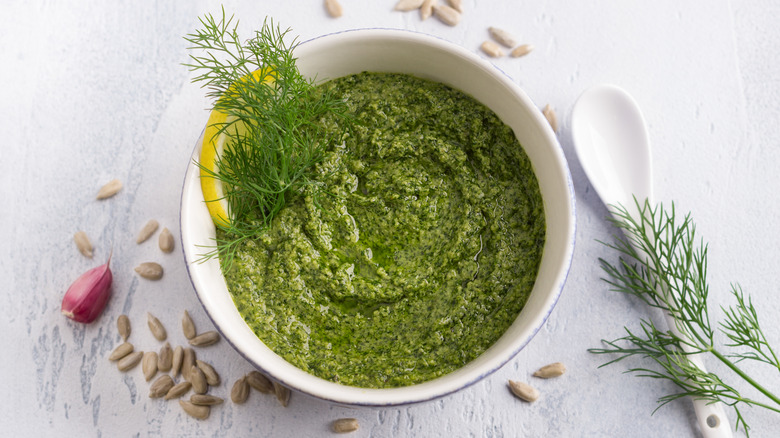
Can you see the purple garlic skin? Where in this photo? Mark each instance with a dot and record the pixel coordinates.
(87, 296)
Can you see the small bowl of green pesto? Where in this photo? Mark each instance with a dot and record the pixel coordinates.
(397, 225)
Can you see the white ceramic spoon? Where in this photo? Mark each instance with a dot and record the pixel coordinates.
(611, 141)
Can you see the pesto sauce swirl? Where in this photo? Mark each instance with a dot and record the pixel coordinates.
(417, 255)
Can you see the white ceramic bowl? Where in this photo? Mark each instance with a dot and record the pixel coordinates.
(385, 50)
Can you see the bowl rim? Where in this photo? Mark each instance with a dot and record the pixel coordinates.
(372, 397)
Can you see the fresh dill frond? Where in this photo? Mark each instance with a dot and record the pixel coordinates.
(274, 129)
(664, 264)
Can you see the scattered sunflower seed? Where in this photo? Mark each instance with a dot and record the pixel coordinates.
(158, 330)
(549, 114)
(166, 241)
(240, 391)
(130, 361)
(552, 370)
(503, 37)
(205, 339)
(187, 362)
(334, 8)
(260, 382)
(147, 231)
(521, 50)
(83, 244)
(178, 356)
(121, 351)
(282, 393)
(110, 189)
(345, 425)
(212, 378)
(161, 386)
(446, 14)
(456, 4)
(188, 326)
(205, 400)
(165, 358)
(123, 326)
(149, 365)
(198, 380)
(523, 391)
(491, 49)
(150, 270)
(408, 5)
(178, 390)
(195, 411)
(426, 10)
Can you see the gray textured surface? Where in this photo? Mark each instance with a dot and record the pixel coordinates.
(91, 91)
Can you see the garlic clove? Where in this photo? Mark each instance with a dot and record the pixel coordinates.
(86, 298)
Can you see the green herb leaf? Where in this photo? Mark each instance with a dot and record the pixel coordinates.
(663, 264)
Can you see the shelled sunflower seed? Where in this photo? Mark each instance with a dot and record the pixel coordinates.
(446, 14)
(165, 358)
(178, 357)
(195, 411)
(551, 117)
(165, 241)
(260, 382)
(521, 50)
(334, 8)
(188, 326)
(205, 400)
(156, 327)
(426, 10)
(345, 425)
(130, 361)
(205, 339)
(212, 377)
(121, 351)
(110, 189)
(491, 49)
(149, 365)
(178, 390)
(198, 380)
(282, 393)
(240, 391)
(523, 391)
(502, 37)
(146, 232)
(552, 370)
(83, 244)
(408, 5)
(150, 270)
(456, 4)
(161, 386)
(187, 362)
(123, 327)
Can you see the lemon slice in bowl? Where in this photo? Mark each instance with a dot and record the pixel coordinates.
(215, 140)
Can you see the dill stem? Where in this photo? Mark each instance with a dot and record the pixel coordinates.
(749, 380)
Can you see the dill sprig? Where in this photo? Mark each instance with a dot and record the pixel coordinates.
(274, 128)
(664, 265)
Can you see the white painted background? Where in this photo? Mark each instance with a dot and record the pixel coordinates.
(93, 90)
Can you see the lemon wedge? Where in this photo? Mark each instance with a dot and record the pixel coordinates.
(212, 148)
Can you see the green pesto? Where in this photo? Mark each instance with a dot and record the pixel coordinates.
(417, 253)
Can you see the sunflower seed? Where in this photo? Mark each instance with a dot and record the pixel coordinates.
(165, 358)
(426, 10)
(456, 4)
(552, 370)
(188, 326)
(178, 356)
(205, 400)
(150, 270)
(408, 5)
(147, 231)
(240, 391)
(161, 386)
(523, 391)
(158, 330)
(83, 244)
(178, 390)
(446, 14)
(166, 241)
(198, 380)
(110, 189)
(345, 425)
(195, 411)
(130, 361)
(149, 365)
(503, 37)
(212, 378)
(123, 326)
(121, 351)
(492, 49)
(521, 50)
(260, 382)
(334, 8)
(187, 362)
(282, 393)
(549, 114)
(205, 339)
